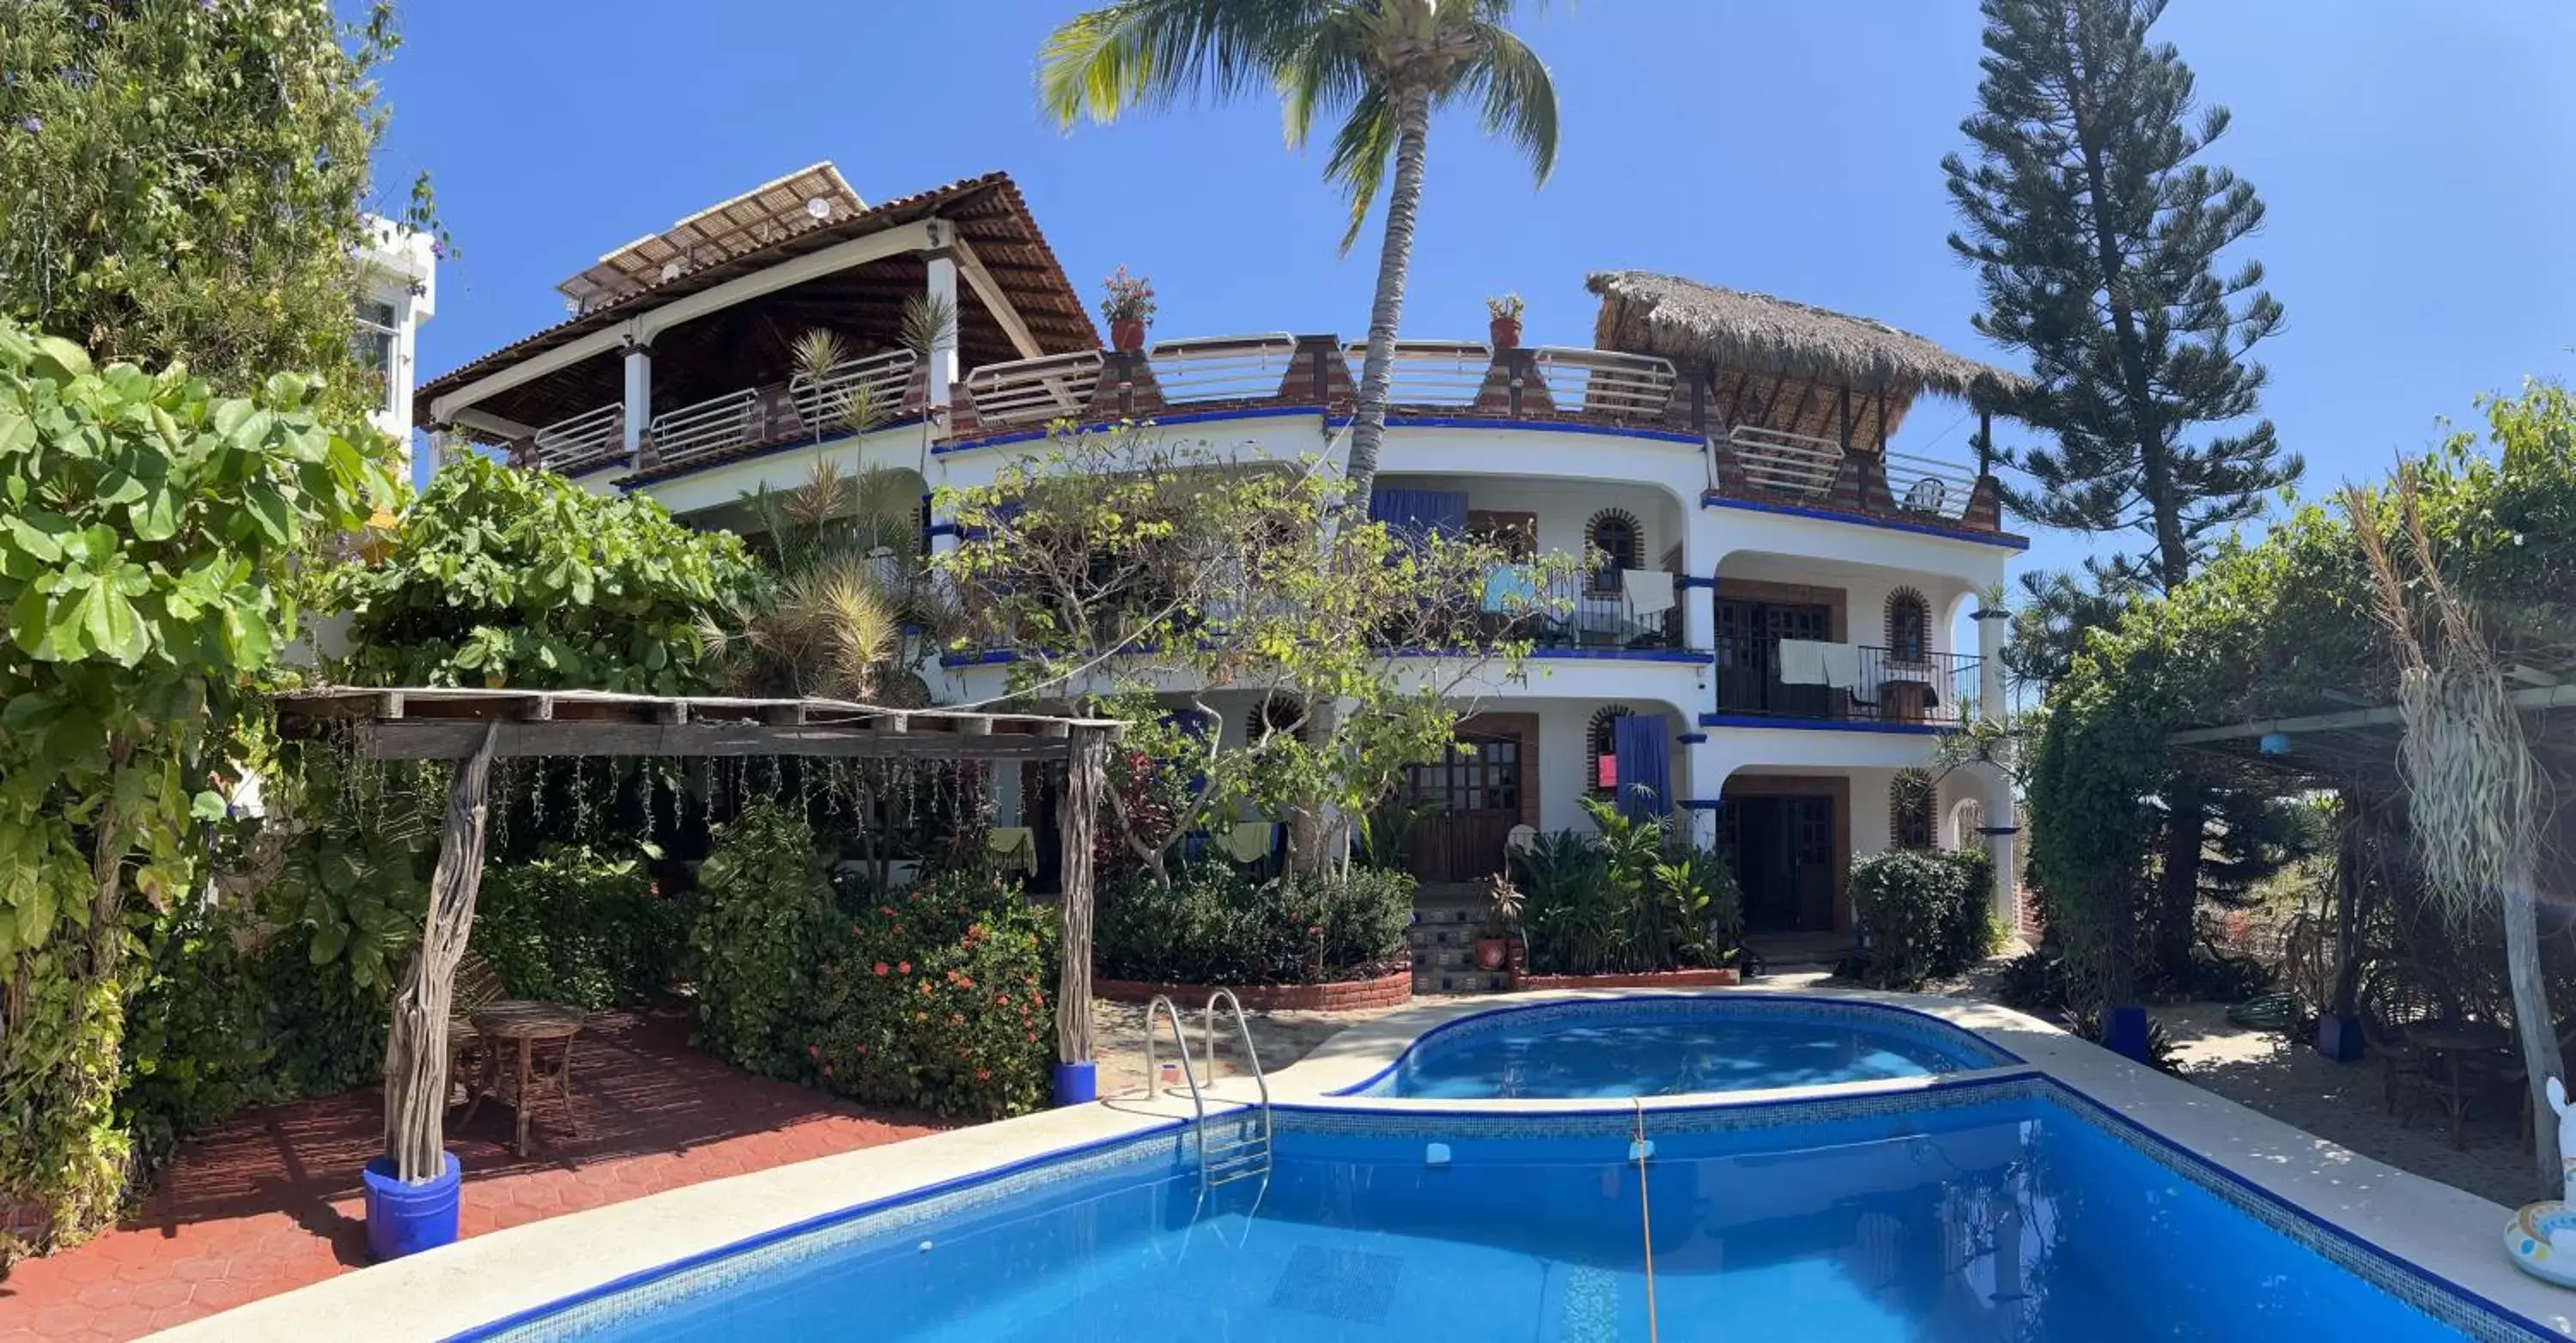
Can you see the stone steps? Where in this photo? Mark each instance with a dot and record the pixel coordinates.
(1443, 938)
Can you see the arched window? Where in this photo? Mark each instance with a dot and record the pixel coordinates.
(1275, 713)
(1969, 819)
(1616, 533)
(1909, 626)
(1910, 805)
(1601, 751)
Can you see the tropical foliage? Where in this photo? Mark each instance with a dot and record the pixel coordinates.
(1116, 564)
(1634, 896)
(579, 925)
(498, 576)
(1926, 913)
(186, 182)
(1379, 68)
(145, 549)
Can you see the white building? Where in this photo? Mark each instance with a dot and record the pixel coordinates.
(397, 292)
(1729, 447)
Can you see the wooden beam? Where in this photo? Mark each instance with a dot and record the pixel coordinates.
(416, 1048)
(2533, 700)
(996, 300)
(457, 738)
(1077, 810)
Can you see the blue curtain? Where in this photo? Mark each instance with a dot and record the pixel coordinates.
(1420, 512)
(1642, 744)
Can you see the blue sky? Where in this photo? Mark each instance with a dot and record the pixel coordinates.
(2413, 156)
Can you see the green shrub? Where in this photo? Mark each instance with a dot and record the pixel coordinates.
(937, 999)
(1636, 897)
(577, 926)
(2034, 981)
(1214, 925)
(1923, 911)
(764, 916)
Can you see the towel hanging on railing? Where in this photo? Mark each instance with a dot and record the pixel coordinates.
(1649, 591)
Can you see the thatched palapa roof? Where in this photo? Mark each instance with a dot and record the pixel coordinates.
(1780, 363)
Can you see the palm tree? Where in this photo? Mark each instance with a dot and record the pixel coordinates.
(1381, 66)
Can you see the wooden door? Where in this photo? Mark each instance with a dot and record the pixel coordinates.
(1473, 798)
(1748, 658)
(1782, 849)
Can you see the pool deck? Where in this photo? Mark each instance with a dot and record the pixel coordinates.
(2445, 1232)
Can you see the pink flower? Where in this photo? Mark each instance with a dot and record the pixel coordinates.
(881, 968)
(813, 1051)
(983, 1074)
(903, 967)
(827, 1070)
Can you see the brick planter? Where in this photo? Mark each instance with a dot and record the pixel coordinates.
(1662, 979)
(1390, 990)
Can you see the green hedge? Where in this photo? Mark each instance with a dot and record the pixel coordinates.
(578, 926)
(765, 912)
(1926, 913)
(1631, 897)
(1214, 925)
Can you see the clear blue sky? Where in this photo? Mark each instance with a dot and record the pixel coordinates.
(2414, 156)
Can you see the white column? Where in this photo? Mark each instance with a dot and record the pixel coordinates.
(639, 397)
(941, 374)
(1709, 766)
(1992, 626)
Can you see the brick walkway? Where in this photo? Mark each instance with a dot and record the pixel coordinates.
(270, 1200)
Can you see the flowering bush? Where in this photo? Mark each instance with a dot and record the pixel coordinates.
(764, 915)
(937, 998)
(1129, 298)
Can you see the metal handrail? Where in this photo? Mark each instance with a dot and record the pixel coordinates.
(1929, 485)
(1606, 383)
(1153, 1074)
(1034, 391)
(1430, 372)
(1222, 368)
(1261, 1081)
(591, 437)
(1778, 460)
(709, 426)
(826, 400)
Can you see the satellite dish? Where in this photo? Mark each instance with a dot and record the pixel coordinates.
(818, 207)
(670, 270)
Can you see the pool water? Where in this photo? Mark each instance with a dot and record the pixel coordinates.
(1616, 1049)
(2012, 1218)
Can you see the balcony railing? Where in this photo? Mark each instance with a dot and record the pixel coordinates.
(1430, 372)
(1222, 368)
(1780, 462)
(706, 428)
(584, 442)
(826, 402)
(1884, 686)
(1605, 384)
(1596, 611)
(1928, 485)
(1034, 391)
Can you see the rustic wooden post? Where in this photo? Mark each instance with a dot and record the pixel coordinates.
(1085, 780)
(416, 1049)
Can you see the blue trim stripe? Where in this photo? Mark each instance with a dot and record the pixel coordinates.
(1700, 804)
(1688, 581)
(1155, 421)
(1821, 724)
(1693, 738)
(2005, 540)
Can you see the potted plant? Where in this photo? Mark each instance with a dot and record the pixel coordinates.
(1502, 923)
(1505, 328)
(1129, 305)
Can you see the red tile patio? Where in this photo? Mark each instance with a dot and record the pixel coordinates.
(270, 1200)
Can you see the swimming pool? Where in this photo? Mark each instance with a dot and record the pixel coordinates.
(1655, 1046)
(1995, 1208)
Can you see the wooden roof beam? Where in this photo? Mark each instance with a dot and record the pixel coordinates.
(997, 301)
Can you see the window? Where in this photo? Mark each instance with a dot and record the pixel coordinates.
(1622, 543)
(1909, 810)
(1909, 626)
(1276, 713)
(373, 344)
(1601, 751)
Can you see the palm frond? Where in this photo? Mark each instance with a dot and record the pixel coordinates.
(1519, 97)
(929, 322)
(1150, 53)
(815, 354)
(1361, 149)
(1324, 68)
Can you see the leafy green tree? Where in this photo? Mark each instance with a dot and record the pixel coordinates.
(145, 546)
(187, 181)
(1380, 66)
(1143, 576)
(498, 576)
(2096, 233)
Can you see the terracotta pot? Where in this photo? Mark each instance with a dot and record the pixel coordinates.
(1127, 335)
(1490, 953)
(1506, 333)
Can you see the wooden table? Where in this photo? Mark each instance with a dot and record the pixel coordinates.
(517, 1027)
(2449, 1047)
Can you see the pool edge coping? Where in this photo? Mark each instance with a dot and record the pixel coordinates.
(2442, 1235)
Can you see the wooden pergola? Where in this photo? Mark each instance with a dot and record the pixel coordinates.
(471, 728)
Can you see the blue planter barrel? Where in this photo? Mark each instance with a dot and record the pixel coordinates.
(1077, 1083)
(409, 1218)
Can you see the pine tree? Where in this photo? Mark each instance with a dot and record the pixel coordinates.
(2096, 233)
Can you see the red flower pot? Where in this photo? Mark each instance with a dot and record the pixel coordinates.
(1490, 953)
(1506, 333)
(1127, 335)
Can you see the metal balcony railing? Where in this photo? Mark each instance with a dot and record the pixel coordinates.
(584, 442)
(711, 426)
(823, 405)
(1222, 368)
(1034, 391)
(1605, 383)
(1781, 462)
(1929, 485)
(1430, 372)
(1595, 611)
(1887, 686)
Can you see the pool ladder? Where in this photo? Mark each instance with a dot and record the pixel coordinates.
(1246, 1154)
